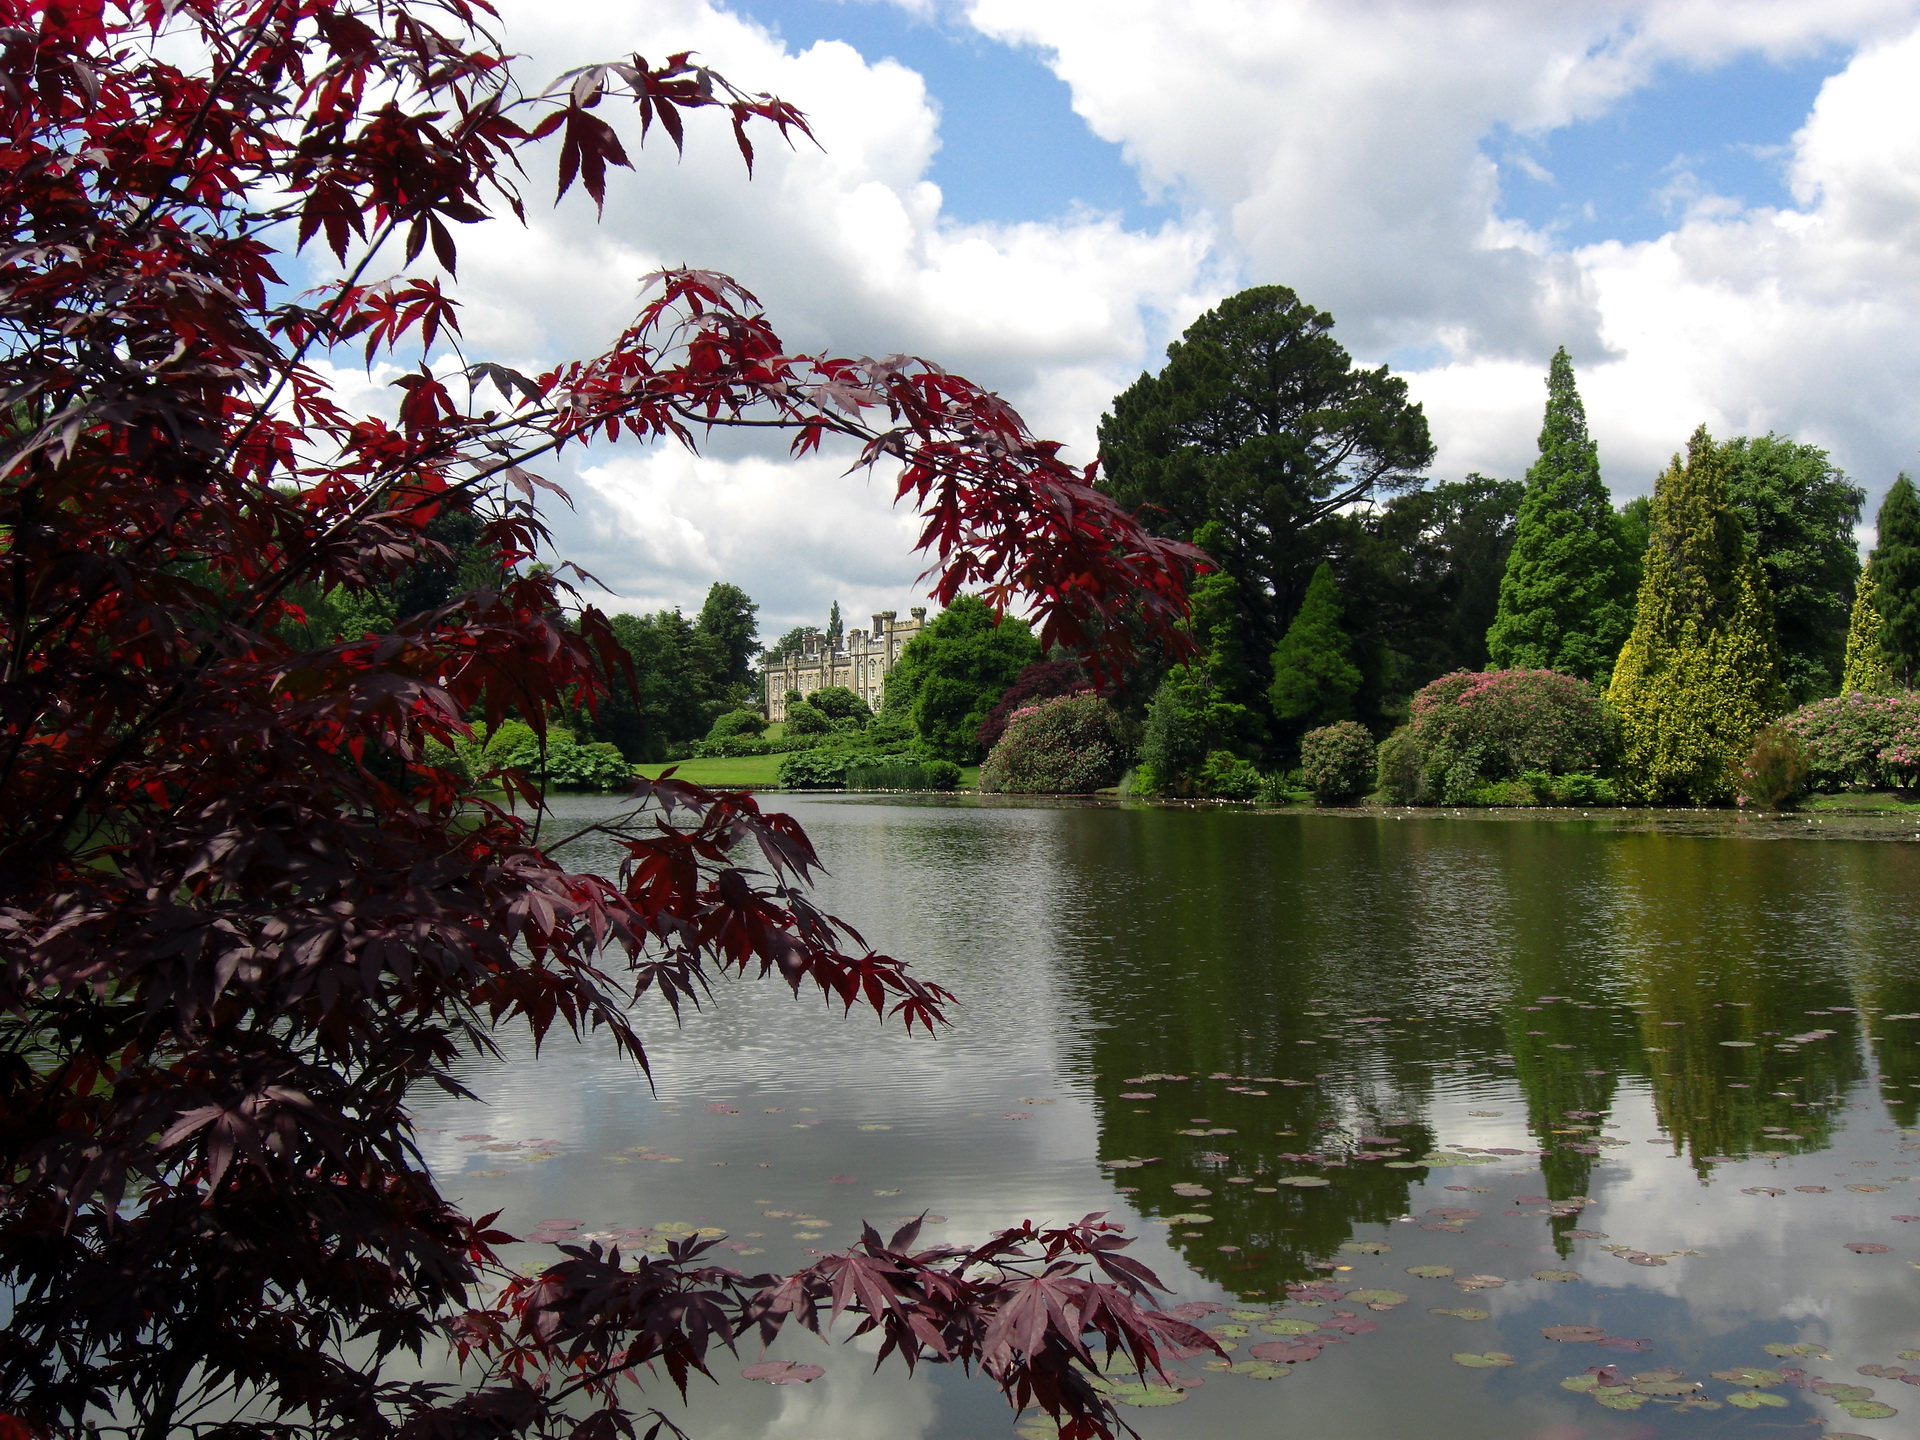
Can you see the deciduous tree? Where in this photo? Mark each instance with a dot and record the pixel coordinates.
(243, 915)
(954, 672)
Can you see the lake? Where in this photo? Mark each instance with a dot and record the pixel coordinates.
(1401, 1094)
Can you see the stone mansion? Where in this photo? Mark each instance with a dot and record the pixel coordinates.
(861, 664)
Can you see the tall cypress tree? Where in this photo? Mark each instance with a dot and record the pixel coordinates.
(1565, 598)
(1314, 677)
(1698, 675)
(1866, 664)
(1896, 573)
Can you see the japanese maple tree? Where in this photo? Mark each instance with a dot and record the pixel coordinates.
(242, 914)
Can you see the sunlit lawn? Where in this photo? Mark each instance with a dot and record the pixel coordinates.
(760, 771)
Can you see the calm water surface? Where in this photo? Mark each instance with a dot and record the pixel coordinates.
(1672, 1068)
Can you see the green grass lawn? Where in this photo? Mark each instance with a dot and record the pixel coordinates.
(1869, 800)
(759, 771)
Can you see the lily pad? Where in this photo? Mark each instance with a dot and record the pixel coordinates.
(1376, 1297)
(1488, 1361)
(1479, 1282)
(1869, 1409)
(1464, 1313)
(1804, 1349)
(1430, 1272)
(1232, 1332)
(1750, 1375)
(1573, 1334)
(1842, 1393)
(1561, 1275)
(1287, 1326)
(1142, 1394)
(1366, 1247)
(1618, 1397)
(783, 1372)
(1303, 1182)
(1754, 1399)
(1867, 1247)
(1251, 1369)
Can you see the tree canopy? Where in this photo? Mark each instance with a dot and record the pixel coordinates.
(1261, 423)
(1314, 677)
(1896, 576)
(1566, 598)
(951, 675)
(1800, 513)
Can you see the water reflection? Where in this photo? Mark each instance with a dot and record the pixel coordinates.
(1499, 1047)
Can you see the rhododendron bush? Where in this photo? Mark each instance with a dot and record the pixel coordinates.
(1473, 727)
(243, 911)
(1860, 741)
(1063, 746)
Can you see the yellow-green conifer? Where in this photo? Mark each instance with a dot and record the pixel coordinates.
(1866, 667)
(1698, 675)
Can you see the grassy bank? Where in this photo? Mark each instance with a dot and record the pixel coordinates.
(759, 772)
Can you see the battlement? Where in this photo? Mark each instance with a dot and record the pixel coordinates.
(861, 661)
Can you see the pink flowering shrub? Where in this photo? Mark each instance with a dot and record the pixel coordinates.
(1860, 741)
(1337, 761)
(1473, 728)
(1061, 746)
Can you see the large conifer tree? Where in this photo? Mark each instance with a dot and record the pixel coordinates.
(1565, 598)
(1896, 575)
(1698, 675)
(1866, 665)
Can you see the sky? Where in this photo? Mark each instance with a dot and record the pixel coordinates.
(1714, 206)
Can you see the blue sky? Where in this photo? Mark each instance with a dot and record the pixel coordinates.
(1013, 149)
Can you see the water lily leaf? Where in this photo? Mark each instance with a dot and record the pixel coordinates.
(1763, 1190)
(1430, 1272)
(1286, 1326)
(1479, 1282)
(1465, 1313)
(1142, 1394)
(1844, 1394)
(1251, 1369)
(1869, 1409)
(1739, 1044)
(1562, 1275)
(1573, 1333)
(1804, 1349)
(1580, 1384)
(1869, 1189)
(1750, 1375)
(1487, 1361)
(1245, 1314)
(783, 1372)
(1618, 1397)
(1232, 1332)
(1288, 1352)
(1867, 1247)
(1401, 1165)
(1665, 1387)
(1040, 1428)
(1376, 1297)
(1366, 1247)
(1303, 1182)
(1625, 1344)
(1754, 1399)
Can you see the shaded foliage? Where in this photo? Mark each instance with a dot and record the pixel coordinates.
(1896, 576)
(1338, 761)
(1066, 745)
(1470, 729)
(1314, 677)
(1041, 680)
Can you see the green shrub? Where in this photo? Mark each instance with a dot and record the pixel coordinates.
(1580, 789)
(1279, 789)
(902, 774)
(817, 769)
(1473, 728)
(1227, 777)
(1062, 746)
(1337, 761)
(1188, 720)
(804, 719)
(737, 723)
(567, 764)
(1860, 741)
(954, 672)
(1400, 774)
(740, 746)
(1775, 774)
(837, 702)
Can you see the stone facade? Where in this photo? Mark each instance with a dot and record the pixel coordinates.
(861, 664)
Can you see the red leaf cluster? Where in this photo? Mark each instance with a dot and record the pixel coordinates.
(244, 912)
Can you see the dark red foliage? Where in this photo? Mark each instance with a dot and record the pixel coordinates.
(242, 913)
(1041, 680)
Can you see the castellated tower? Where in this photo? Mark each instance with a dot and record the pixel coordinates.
(860, 663)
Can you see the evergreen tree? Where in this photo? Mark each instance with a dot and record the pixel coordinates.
(1314, 677)
(1866, 665)
(1698, 675)
(1564, 600)
(1896, 573)
(834, 628)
